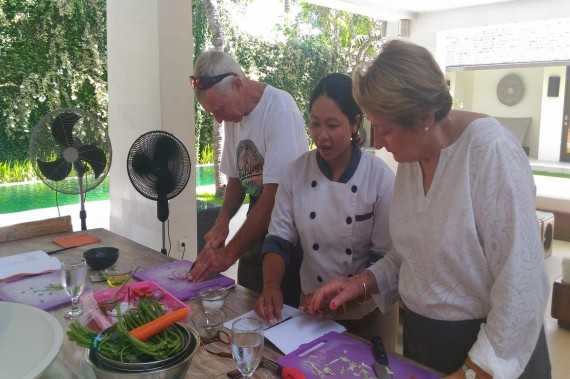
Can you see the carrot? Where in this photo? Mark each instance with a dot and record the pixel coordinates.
(156, 326)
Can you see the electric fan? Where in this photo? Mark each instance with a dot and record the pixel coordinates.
(159, 167)
(70, 151)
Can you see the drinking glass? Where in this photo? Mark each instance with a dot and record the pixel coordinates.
(247, 344)
(73, 273)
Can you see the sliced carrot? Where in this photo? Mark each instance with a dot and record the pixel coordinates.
(149, 329)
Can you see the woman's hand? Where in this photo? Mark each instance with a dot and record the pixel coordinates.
(333, 295)
(270, 303)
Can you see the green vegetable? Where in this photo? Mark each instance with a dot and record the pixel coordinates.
(118, 345)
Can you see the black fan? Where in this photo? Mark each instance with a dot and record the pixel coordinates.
(159, 167)
(71, 152)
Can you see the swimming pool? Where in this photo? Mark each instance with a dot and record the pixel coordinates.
(23, 197)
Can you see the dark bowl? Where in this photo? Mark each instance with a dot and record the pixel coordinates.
(100, 258)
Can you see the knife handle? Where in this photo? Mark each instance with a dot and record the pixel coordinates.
(379, 352)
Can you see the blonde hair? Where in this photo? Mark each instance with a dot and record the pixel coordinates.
(403, 83)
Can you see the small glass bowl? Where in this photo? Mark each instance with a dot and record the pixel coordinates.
(213, 299)
(209, 323)
(116, 277)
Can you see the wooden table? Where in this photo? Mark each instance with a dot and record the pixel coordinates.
(69, 359)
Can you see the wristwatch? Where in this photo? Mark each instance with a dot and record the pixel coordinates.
(469, 372)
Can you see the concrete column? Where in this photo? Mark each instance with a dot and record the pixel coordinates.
(150, 49)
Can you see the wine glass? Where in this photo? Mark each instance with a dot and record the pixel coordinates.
(247, 344)
(73, 275)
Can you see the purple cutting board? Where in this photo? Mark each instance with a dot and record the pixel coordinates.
(37, 291)
(341, 356)
(171, 277)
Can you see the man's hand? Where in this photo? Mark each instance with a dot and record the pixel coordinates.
(216, 236)
(210, 262)
(270, 304)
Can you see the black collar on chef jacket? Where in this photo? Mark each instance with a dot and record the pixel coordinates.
(350, 170)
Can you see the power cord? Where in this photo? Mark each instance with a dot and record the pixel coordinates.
(57, 205)
(183, 246)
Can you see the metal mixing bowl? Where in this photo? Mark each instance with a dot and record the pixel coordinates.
(172, 370)
(108, 363)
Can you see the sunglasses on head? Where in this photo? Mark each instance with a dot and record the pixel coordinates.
(205, 82)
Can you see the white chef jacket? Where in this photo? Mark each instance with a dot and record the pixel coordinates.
(342, 225)
(470, 248)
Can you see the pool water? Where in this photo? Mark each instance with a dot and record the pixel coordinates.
(23, 197)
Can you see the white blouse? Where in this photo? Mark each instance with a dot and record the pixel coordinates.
(470, 248)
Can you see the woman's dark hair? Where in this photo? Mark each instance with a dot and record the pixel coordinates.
(338, 88)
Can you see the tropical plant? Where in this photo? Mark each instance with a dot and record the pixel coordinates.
(54, 55)
(211, 8)
(16, 171)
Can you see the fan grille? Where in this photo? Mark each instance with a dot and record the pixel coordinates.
(158, 162)
(77, 134)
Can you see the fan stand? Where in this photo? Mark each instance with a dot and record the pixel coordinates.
(162, 215)
(163, 250)
(82, 213)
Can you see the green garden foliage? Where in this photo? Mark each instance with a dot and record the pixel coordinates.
(16, 171)
(53, 54)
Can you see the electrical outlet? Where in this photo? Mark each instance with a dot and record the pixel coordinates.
(183, 245)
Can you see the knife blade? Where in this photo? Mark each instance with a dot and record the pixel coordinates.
(60, 250)
(381, 364)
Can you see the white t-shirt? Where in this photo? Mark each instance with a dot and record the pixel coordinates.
(258, 149)
(470, 247)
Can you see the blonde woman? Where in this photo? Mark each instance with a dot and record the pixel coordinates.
(466, 261)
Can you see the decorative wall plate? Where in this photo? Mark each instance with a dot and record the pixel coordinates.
(510, 89)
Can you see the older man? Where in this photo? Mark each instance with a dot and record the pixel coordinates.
(264, 131)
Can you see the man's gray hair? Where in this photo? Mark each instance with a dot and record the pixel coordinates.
(214, 62)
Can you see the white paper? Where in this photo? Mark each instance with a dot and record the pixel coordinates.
(287, 311)
(301, 328)
(30, 263)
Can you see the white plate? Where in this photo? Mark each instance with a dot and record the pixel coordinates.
(30, 339)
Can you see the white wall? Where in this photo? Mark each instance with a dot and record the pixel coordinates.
(483, 97)
(551, 120)
(426, 25)
(150, 58)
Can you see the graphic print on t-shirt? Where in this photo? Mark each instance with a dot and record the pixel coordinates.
(250, 167)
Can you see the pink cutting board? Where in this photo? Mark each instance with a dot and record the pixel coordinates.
(42, 291)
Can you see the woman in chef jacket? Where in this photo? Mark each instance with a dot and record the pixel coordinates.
(334, 201)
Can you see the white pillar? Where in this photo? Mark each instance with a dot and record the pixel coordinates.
(150, 51)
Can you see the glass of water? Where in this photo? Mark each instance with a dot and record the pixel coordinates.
(73, 274)
(247, 344)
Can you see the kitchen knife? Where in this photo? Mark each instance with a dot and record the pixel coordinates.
(381, 366)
